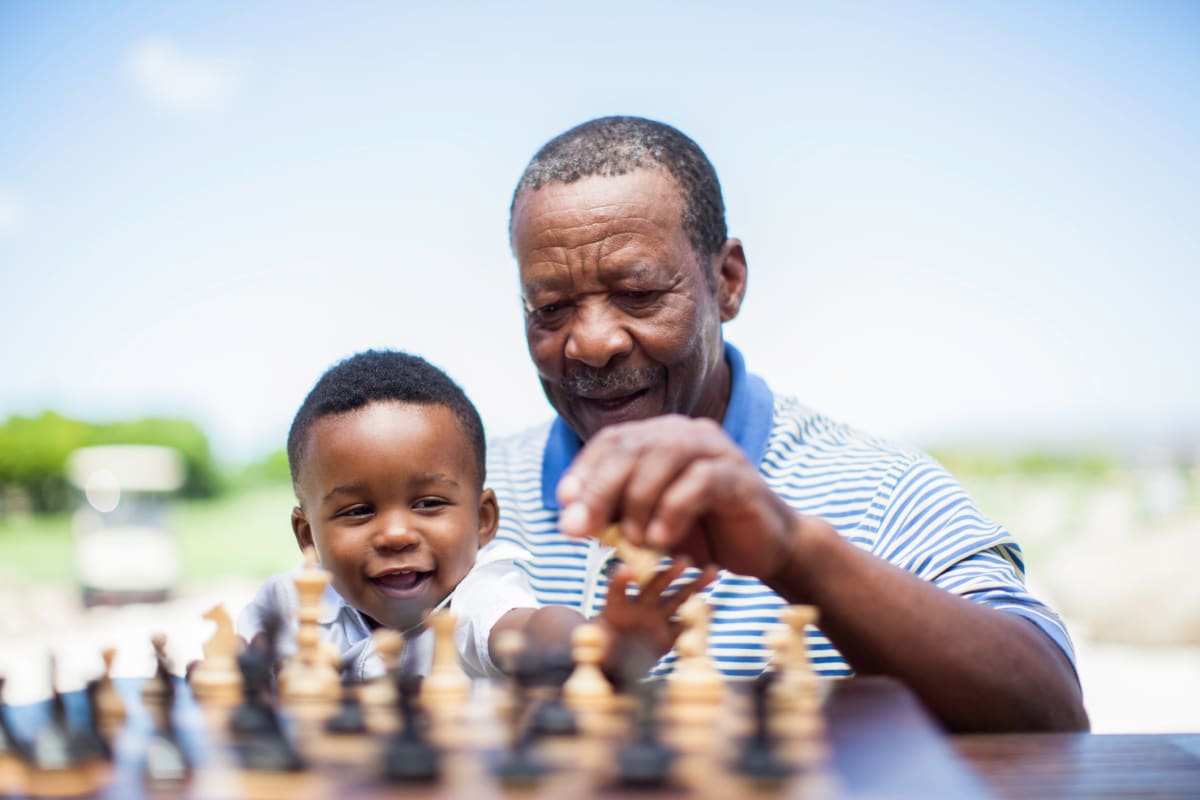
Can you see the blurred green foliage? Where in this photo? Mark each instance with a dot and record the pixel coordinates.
(1086, 464)
(270, 470)
(34, 450)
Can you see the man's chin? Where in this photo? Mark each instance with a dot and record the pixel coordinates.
(586, 416)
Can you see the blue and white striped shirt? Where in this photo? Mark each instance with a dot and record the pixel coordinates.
(898, 504)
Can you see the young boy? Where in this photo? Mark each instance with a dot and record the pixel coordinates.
(387, 461)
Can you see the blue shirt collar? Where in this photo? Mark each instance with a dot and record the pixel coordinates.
(747, 421)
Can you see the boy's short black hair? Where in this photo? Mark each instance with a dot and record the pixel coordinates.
(381, 375)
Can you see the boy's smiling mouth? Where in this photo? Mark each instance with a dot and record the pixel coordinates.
(402, 583)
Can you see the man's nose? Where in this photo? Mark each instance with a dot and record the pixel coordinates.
(597, 336)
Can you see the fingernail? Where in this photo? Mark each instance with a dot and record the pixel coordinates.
(573, 519)
(656, 535)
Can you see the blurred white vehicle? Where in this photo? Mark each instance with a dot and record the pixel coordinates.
(125, 550)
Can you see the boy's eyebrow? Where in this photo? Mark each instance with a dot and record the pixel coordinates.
(345, 488)
(422, 479)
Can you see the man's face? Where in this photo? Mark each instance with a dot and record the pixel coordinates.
(390, 499)
(621, 322)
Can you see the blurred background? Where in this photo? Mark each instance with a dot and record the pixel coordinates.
(971, 228)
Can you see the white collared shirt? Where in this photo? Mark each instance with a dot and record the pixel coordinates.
(493, 587)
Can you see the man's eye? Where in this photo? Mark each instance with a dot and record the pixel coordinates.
(640, 297)
(549, 313)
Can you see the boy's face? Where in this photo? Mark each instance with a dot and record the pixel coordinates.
(389, 498)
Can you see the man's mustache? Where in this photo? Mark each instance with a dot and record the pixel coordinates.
(587, 381)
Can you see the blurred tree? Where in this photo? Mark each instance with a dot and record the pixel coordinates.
(34, 450)
(271, 469)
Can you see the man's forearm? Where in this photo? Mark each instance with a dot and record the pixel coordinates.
(976, 668)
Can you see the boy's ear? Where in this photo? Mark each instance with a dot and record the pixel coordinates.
(301, 528)
(489, 516)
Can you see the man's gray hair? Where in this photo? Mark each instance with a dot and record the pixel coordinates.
(618, 145)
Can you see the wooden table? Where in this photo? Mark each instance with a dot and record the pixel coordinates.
(1082, 765)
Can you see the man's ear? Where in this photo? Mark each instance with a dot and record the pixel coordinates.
(301, 529)
(729, 271)
(489, 516)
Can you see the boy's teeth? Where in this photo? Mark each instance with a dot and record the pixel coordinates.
(401, 580)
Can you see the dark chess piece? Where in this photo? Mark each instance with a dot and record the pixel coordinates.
(88, 740)
(410, 757)
(52, 747)
(758, 759)
(11, 745)
(255, 714)
(166, 760)
(262, 744)
(551, 717)
(348, 719)
(517, 763)
(646, 761)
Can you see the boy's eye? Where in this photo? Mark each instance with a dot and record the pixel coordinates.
(356, 511)
(427, 503)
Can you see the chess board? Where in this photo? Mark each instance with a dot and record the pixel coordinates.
(873, 740)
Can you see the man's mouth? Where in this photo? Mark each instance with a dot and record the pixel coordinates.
(402, 583)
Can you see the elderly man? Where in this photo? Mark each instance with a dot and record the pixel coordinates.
(627, 273)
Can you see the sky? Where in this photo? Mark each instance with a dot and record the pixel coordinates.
(964, 221)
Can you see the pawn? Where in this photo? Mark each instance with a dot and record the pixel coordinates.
(551, 717)
(758, 759)
(349, 718)
(379, 695)
(110, 708)
(409, 756)
(518, 764)
(695, 681)
(646, 761)
(446, 682)
(166, 760)
(587, 688)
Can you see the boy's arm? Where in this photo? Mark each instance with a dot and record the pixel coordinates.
(640, 629)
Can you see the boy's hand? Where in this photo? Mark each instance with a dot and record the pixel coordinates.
(643, 628)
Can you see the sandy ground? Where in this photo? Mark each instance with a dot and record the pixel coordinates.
(1127, 689)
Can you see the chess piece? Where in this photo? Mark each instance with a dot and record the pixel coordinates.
(166, 762)
(795, 695)
(56, 768)
(758, 759)
(378, 696)
(587, 688)
(257, 665)
(646, 761)
(409, 756)
(216, 678)
(695, 681)
(110, 707)
(551, 717)
(308, 678)
(643, 562)
(14, 754)
(517, 764)
(349, 718)
(446, 682)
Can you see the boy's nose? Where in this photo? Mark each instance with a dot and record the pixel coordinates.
(395, 533)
